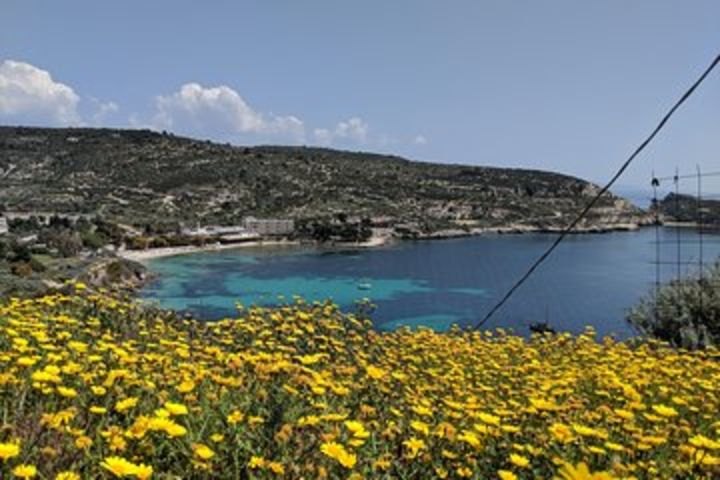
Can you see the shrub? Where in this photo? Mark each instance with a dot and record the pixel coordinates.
(685, 312)
(21, 269)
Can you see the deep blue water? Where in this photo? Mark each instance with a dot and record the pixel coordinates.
(589, 280)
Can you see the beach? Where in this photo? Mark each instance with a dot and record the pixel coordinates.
(151, 253)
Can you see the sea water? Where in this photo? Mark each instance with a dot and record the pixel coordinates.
(590, 280)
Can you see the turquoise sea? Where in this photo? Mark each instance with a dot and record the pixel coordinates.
(590, 280)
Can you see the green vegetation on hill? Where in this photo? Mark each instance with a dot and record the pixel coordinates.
(141, 178)
(687, 209)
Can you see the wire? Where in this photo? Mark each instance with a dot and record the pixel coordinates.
(592, 203)
(690, 175)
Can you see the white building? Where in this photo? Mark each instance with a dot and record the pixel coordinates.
(269, 226)
(3, 226)
(214, 230)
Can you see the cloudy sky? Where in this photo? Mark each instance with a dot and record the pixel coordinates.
(559, 84)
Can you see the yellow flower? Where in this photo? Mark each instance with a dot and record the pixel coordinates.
(422, 411)
(464, 472)
(26, 361)
(83, 442)
(126, 404)
(506, 475)
(143, 472)
(624, 414)
(98, 410)
(561, 432)
(9, 450)
(67, 476)
(176, 408)
(235, 417)
(203, 451)
(375, 373)
(469, 438)
(414, 445)
(276, 468)
(99, 391)
(421, 427)
(710, 460)
(665, 411)
(582, 472)
(25, 471)
(67, 392)
(256, 462)
(119, 466)
(337, 451)
(175, 430)
(519, 460)
(589, 432)
(186, 386)
(489, 419)
(615, 447)
(701, 441)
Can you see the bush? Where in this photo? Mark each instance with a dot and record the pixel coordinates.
(139, 243)
(21, 269)
(36, 265)
(92, 240)
(685, 313)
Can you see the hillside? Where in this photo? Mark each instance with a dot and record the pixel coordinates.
(142, 177)
(685, 209)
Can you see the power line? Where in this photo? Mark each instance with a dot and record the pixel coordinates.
(592, 203)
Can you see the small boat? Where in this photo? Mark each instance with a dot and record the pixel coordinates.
(364, 286)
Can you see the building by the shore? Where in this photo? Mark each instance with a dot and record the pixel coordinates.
(269, 226)
(251, 227)
(4, 228)
(214, 230)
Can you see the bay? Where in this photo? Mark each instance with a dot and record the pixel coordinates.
(590, 280)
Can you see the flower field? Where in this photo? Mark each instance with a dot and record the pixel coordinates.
(95, 387)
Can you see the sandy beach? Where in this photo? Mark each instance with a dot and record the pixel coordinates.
(151, 253)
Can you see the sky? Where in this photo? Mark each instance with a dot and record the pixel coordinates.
(556, 85)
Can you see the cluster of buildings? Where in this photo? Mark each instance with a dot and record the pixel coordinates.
(3, 225)
(250, 228)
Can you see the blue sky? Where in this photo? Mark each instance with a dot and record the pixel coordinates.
(559, 85)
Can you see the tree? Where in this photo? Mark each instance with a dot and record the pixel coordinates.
(685, 312)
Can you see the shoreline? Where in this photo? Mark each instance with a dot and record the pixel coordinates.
(143, 256)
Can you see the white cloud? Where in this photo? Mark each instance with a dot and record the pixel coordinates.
(353, 130)
(420, 140)
(219, 111)
(102, 111)
(29, 95)
(323, 136)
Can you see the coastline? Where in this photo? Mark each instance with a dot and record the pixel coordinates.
(143, 256)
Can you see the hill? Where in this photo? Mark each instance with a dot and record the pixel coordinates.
(687, 209)
(142, 177)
